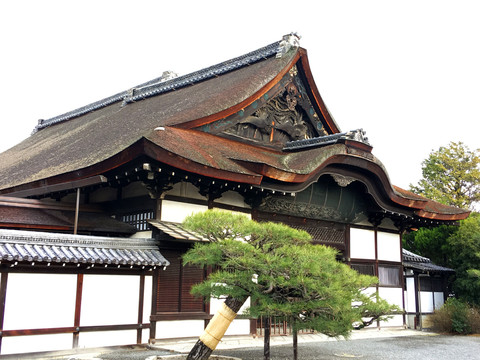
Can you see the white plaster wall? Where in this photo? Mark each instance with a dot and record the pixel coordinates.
(410, 295)
(439, 300)
(110, 300)
(232, 198)
(392, 295)
(362, 244)
(36, 343)
(396, 321)
(147, 299)
(388, 246)
(177, 211)
(426, 301)
(179, 328)
(186, 189)
(40, 301)
(239, 327)
(107, 338)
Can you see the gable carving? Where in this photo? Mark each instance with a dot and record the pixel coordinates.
(279, 120)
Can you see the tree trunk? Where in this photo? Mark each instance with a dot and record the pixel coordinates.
(295, 343)
(266, 339)
(213, 333)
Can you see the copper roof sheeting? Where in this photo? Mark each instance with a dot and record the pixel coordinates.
(50, 248)
(417, 262)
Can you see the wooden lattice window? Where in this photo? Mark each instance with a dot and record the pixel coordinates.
(138, 219)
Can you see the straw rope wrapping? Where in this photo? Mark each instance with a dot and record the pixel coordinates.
(217, 327)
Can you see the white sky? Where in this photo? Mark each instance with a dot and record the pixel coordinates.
(407, 72)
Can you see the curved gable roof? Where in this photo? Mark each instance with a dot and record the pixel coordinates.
(165, 119)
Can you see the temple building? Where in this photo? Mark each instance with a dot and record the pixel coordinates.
(91, 203)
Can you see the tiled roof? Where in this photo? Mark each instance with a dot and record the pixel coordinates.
(176, 230)
(414, 261)
(50, 248)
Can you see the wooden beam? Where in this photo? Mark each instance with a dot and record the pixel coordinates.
(42, 190)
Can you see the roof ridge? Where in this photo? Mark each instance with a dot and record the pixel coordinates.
(61, 239)
(161, 85)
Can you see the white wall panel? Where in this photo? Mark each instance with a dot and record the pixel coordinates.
(410, 295)
(177, 211)
(388, 246)
(40, 301)
(147, 300)
(426, 301)
(392, 295)
(107, 338)
(362, 244)
(439, 299)
(110, 300)
(36, 343)
(396, 320)
(239, 327)
(179, 329)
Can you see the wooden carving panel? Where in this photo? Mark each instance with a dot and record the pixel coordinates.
(278, 121)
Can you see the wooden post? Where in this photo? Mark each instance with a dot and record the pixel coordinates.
(78, 310)
(153, 311)
(141, 297)
(3, 298)
(77, 210)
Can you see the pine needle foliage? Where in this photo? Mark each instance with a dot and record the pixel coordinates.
(283, 273)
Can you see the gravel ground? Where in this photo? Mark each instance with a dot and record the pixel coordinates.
(410, 347)
(435, 347)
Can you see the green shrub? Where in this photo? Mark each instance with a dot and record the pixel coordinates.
(456, 316)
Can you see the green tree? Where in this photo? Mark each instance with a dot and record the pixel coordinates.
(457, 247)
(464, 245)
(431, 243)
(451, 175)
(282, 272)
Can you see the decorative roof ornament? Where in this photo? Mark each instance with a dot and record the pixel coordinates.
(168, 75)
(288, 41)
(356, 135)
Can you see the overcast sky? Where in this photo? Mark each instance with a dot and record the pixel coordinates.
(407, 72)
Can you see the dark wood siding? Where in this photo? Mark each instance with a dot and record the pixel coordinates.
(174, 284)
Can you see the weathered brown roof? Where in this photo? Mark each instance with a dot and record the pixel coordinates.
(96, 136)
(160, 120)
